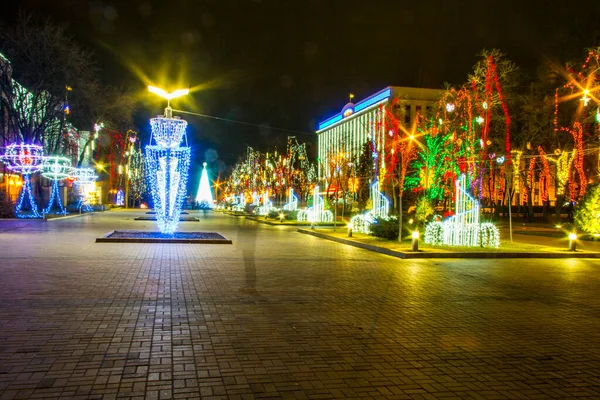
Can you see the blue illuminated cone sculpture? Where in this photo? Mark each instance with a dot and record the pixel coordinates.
(204, 195)
(168, 164)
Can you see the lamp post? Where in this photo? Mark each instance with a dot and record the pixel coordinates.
(168, 162)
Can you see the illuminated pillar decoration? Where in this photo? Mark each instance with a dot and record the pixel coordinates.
(84, 177)
(204, 196)
(464, 227)
(168, 165)
(56, 168)
(381, 209)
(24, 159)
(317, 212)
(292, 201)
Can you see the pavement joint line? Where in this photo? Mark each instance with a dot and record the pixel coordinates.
(424, 254)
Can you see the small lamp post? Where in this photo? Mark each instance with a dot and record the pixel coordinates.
(281, 216)
(415, 241)
(572, 241)
(350, 226)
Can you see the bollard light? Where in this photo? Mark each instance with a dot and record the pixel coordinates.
(572, 241)
(350, 226)
(415, 241)
(281, 216)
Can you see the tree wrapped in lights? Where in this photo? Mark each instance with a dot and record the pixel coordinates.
(55, 168)
(24, 159)
(167, 165)
(587, 211)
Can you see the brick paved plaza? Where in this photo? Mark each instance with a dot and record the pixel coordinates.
(279, 314)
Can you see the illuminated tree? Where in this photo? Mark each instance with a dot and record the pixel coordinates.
(587, 211)
(364, 174)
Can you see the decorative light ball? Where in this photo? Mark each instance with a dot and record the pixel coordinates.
(56, 167)
(23, 158)
(450, 107)
(84, 176)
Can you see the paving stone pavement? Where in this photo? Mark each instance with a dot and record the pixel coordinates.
(278, 314)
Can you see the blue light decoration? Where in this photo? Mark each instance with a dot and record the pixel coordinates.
(25, 159)
(56, 168)
(168, 165)
(348, 110)
(120, 198)
(204, 196)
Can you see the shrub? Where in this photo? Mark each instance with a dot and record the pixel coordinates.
(290, 215)
(385, 228)
(273, 214)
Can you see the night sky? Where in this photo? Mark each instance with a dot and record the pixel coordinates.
(290, 64)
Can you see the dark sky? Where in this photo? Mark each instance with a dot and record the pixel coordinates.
(290, 64)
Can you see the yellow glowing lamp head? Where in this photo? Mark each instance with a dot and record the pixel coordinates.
(168, 96)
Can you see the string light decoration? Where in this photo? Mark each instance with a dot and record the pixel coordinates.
(463, 228)
(83, 177)
(544, 175)
(292, 201)
(381, 209)
(56, 168)
(577, 133)
(167, 165)
(25, 159)
(317, 212)
(204, 196)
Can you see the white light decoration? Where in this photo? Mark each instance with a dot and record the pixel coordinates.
(381, 208)
(266, 206)
(204, 195)
(317, 212)
(479, 120)
(450, 107)
(463, 228)
(84, 177)
(168, 165)
(56, 168)
(292, 201)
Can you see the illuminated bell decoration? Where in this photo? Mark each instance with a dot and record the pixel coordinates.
(168, 165)
(23, 158)
(56, 167)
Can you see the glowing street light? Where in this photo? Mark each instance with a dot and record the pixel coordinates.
(168, 96)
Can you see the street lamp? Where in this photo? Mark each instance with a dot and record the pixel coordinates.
(168, 96)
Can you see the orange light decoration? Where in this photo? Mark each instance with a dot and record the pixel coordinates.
(544, 175)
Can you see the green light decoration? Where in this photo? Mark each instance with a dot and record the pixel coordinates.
(587, 212)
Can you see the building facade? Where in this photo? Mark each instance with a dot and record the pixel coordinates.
(347, 131)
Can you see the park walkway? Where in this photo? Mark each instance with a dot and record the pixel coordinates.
(278, 314)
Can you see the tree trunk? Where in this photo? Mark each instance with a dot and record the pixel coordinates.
(560, 199)
(400, 218)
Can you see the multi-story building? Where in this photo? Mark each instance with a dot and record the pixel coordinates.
(347, 131)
